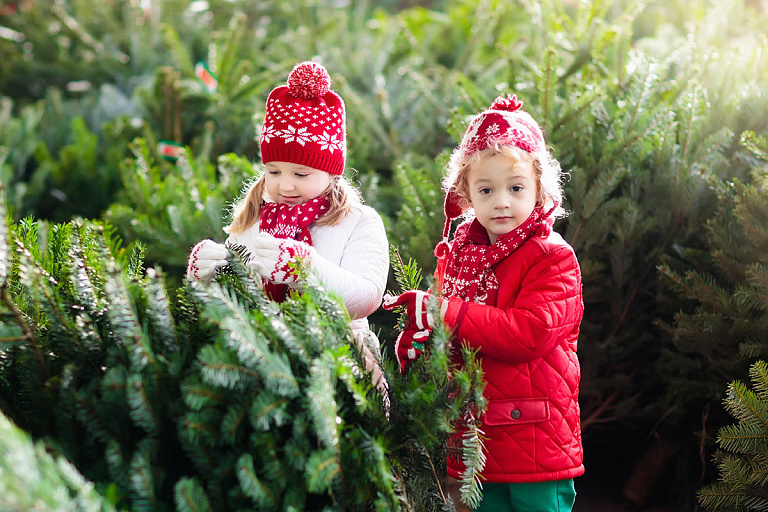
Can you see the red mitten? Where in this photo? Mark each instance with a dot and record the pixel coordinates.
(415, 302)
(410, 345)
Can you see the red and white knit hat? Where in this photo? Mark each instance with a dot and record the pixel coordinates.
(502, 123)
(305, 121)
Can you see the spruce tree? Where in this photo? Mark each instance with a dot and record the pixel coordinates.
(219, 399)
(719, 330)
(643, 114)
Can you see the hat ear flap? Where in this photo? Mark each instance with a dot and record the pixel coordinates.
(452, 208)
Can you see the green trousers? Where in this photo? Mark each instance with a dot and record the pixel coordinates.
(557, 496)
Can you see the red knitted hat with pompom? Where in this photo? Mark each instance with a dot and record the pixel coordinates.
(501, 123)
(305, 122)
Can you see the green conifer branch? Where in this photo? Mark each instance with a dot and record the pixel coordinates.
(142, 479)
(321, 402)
(140, 402)
(34, 479)
(190, 496)
(473, 458)
(27, 335)
(5, 240)
(759, 374)
(741, 459)
(407, 275)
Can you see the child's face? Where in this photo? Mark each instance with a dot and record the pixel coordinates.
(294, 183)
(502, 192)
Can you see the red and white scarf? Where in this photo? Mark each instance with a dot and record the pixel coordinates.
(290, 221)
(470, 259)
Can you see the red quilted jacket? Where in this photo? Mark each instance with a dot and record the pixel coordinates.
(527, 347)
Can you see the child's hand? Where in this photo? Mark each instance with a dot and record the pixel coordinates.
(206, 257)
(271, 257)
(410, 345)
(415, 302)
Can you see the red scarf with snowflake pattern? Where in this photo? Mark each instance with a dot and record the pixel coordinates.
(290, 221)
(470, 259)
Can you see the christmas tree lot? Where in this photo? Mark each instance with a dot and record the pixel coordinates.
(128, 127)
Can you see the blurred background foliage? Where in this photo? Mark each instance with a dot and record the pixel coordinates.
(658, 110)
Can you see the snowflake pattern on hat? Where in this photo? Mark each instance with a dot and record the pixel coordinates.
(305, 118)
(329, 142)
(267, 132)
(499, 127)
(305, 122)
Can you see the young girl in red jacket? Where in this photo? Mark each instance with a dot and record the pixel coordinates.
(510, 288)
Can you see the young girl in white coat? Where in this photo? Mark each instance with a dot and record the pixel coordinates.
(303, 208)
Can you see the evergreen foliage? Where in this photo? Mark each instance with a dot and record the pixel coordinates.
(419, 222)
(17, 133)
(171, 207)
(79, 170)
(32, 479)
(219, 399)
(721, 329)
(741, 460)
(429, 367)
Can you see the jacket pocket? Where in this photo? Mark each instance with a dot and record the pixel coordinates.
(518, 411)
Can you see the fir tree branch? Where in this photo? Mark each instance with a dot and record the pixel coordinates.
(407, 275)
(28, 334)
(13, 339)
(604, 406)
(425, 453)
